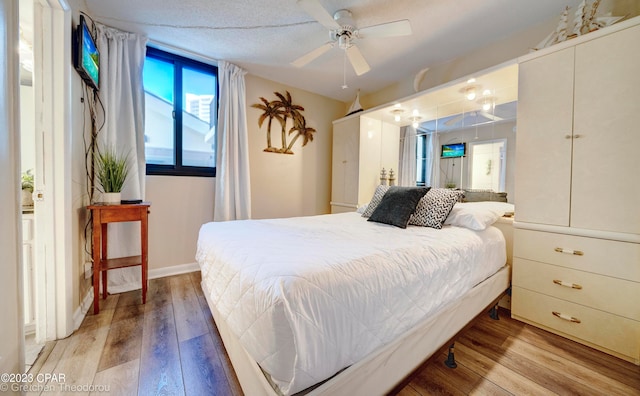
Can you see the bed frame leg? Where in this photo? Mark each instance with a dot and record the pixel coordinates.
(493, 313)
(451, 360)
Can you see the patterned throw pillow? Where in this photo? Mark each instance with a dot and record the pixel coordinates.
(434, 207)
(375, 200)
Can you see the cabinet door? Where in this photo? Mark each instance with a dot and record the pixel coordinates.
(370, 156)
(344, 181)
(606, 161)
(543, 144)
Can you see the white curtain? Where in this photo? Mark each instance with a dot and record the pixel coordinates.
(408, 161)
(233, 191)
(122, 94)
(432, 167)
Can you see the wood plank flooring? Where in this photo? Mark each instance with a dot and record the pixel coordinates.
(170, 346)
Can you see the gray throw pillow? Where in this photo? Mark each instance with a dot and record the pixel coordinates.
(397, 205)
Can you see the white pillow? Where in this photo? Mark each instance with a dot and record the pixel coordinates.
(478, 215)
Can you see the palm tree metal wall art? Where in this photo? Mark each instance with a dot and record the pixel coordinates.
(282, 109)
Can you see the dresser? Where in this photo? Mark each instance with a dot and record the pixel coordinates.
(362, 146)
(576, 269)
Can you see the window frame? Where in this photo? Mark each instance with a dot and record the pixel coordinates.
(421, 178)
(179, 62)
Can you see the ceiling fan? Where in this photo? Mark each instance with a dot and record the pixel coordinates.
(473, 117)
(344, 32)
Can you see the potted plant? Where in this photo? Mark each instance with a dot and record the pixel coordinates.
(112, 169)
(27, 188)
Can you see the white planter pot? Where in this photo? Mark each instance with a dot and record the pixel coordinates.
(111, 198)
(27, 199)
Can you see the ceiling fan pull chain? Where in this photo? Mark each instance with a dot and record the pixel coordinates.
(344, 71)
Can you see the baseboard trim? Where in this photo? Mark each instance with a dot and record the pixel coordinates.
(173, 270)
(81, 311)
(87, 301)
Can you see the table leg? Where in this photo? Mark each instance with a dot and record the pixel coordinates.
(144, 229)
(104, 256)
(97, 230)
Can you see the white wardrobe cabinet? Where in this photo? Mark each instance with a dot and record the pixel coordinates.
(576, 266)
(362, 146)
(578, 136)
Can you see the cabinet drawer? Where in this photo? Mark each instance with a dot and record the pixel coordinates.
(608, 331)
(608, 294)
(600, 256)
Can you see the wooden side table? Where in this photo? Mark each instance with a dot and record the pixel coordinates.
(102, 215)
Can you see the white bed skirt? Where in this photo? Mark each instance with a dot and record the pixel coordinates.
(387, 366)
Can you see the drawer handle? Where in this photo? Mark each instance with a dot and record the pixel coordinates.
(569, 251)
(566, 317)
(567, 284)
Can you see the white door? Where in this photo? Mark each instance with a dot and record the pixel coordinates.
(488, 165)
(606, 162)
(543, 144)
(52, 201)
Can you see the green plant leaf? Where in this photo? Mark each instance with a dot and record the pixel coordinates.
(112, 169)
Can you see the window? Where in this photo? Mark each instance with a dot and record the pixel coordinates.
(181, 108)
(424, 157)
(421, 157)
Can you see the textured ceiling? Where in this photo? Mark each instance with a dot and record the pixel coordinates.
(263, 37)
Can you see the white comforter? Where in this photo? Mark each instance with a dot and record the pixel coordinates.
(309, 296)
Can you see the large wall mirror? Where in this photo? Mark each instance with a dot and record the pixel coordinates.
(461, 135)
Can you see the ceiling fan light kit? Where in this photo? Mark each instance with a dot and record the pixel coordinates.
(344, 32)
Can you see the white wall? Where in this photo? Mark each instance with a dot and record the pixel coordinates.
(285, 185)
(179, 206)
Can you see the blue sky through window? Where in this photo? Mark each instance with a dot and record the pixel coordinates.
(158, 80)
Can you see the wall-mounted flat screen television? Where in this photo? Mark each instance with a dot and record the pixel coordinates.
(86, 56)
(454, 150)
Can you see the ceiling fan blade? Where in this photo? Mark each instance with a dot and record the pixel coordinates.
(490, 116)
(390, 29)
(308, 57)
(358, 62)
(317, 12)
(454, 120)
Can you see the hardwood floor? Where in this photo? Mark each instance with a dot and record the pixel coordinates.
(170, 346)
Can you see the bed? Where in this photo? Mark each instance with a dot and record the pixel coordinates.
(336, 304)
